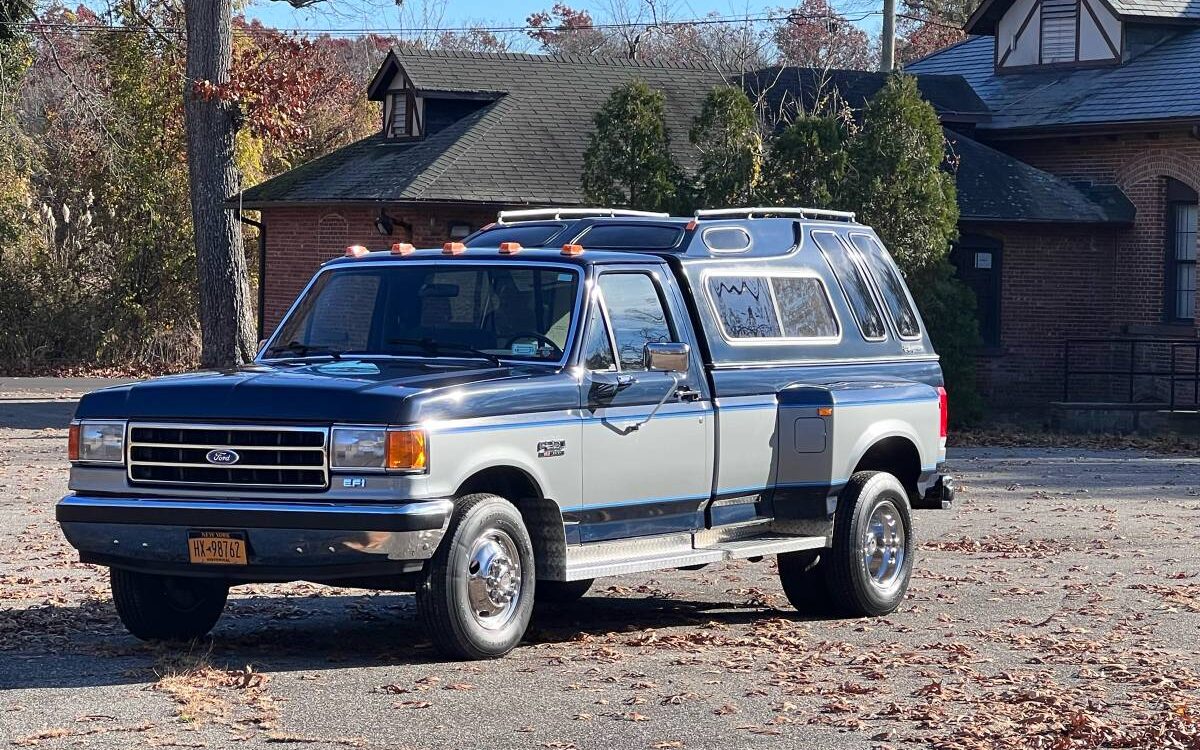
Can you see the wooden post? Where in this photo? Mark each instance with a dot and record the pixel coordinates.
(887, 52)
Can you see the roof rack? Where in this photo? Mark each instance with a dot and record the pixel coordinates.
(750, 213)
(532, 214)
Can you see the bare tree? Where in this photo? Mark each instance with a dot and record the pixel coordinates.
(226, 323)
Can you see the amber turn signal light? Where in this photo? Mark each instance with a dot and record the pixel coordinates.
(406, 450)
(73, 443)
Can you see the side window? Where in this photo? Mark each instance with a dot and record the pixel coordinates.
(637, 316)
(854, 285)
(597, 350)
(744, 306)
(887, 278)
(804, 307)
(772, 307)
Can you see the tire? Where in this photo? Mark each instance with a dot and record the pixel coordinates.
(562, 592)
(873, 507)
(167, 608)
(803, 578)
(467, 615)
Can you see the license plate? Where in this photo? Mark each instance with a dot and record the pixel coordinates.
(217, 547)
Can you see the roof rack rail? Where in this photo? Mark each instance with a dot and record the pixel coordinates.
(531, 214)
(750, 213)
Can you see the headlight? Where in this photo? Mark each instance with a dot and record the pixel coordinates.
(359, 448)
(94, 441)
(379, 448)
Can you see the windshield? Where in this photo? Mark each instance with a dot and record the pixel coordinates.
(449, 310)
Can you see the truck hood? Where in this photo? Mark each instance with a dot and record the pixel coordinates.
(362, 391)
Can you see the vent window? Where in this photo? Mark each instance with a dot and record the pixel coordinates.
(1060, 20)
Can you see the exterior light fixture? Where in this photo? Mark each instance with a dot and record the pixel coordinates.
(384, 224)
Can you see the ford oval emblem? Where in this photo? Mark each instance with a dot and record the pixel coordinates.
(222, 457)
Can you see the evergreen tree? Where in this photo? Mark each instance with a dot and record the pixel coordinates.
(726, 135)
(628, 162)
(806, 164)
(898, 184)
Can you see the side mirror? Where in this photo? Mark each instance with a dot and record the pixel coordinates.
(667, 357)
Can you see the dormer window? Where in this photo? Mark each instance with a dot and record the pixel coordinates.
(404, 115)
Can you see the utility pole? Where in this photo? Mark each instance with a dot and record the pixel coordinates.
(887, 55)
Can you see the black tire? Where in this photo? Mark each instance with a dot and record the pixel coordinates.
(167, 608)
(803, 578)
(444, 602)
(852, 588)
(562, 592)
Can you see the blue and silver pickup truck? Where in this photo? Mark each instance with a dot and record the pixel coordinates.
(564, 396)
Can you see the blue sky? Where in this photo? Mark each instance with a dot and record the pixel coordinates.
(384, 15)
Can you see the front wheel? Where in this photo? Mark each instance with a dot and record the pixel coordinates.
(476, 596)
(167, 608)
(868, 569)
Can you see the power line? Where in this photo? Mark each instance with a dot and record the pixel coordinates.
(73, 28)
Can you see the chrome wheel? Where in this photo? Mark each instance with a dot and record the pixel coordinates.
(494, 579)
(883, 547)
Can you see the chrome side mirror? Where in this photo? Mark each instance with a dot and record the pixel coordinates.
(667, 357)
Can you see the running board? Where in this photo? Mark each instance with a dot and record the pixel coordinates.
(600, 559)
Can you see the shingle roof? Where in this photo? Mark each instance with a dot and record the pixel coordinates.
(786, 89)
(993, 186)
(1160, 84)
(527, 146)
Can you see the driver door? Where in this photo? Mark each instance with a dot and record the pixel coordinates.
(641, 475)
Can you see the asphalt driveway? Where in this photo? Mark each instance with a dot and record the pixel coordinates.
(1057, 606)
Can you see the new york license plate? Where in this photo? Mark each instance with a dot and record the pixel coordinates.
(217, 547)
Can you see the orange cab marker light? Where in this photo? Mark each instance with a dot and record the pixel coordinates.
(692, 225)
(572, 250)
(824, 411)
(510, 248)
(454, 248)
(73, 443)
(356, 251)
(402, 248)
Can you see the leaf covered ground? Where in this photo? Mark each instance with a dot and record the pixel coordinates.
(1057, 606)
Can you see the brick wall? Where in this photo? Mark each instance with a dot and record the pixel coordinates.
(1138, 163)
(1054, 282)
(300, 239)
(1058, 282)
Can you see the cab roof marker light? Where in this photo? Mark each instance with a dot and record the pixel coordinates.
(356, 251)
(572, 250)
(453, 248)
(510, 248)
(691, 225)
(402, 248)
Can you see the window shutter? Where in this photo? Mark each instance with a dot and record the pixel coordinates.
(399, 124)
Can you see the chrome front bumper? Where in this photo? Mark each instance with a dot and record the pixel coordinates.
(285, 541)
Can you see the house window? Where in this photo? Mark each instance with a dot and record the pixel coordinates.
(1060, 21)
(404, 115)
(1182, 211)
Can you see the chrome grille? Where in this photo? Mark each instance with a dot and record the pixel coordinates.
(267, 456)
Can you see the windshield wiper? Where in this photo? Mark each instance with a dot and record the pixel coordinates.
(304, 350)
(429, 346)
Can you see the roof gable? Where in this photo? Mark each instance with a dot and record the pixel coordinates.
(989, 13)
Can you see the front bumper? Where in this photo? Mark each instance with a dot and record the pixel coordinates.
(285, 540)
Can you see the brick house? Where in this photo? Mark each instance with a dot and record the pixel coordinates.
(1106, 95)
(463, 135)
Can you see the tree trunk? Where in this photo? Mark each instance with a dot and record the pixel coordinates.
(226, 324)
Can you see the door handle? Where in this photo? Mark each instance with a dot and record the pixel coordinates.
(687, 393)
